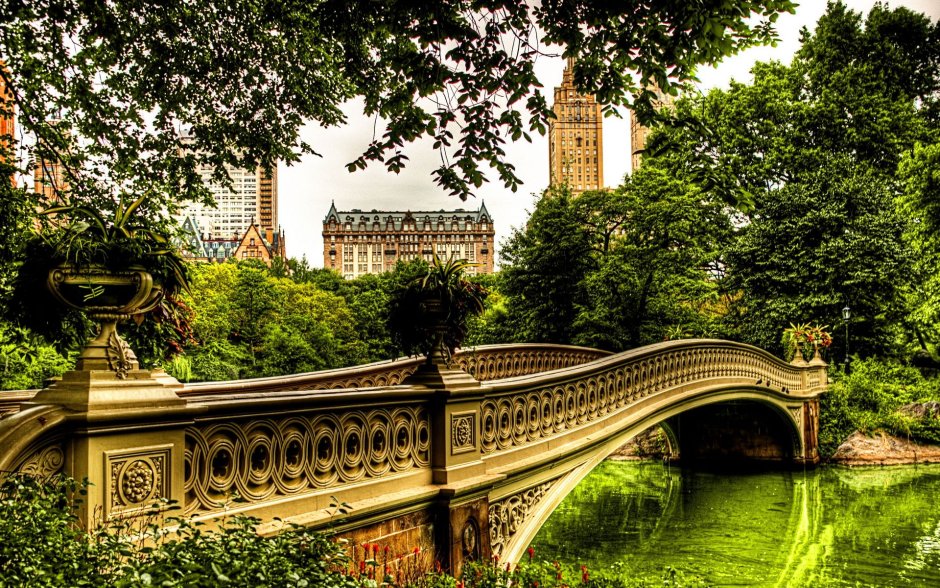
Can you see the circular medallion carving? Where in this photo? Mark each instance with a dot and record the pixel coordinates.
(137, 482)
(463, 435)
(469, 540)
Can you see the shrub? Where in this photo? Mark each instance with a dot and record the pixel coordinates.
(41, 545)
(869, 399)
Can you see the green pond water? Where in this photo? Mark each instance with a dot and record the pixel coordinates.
(825, 527)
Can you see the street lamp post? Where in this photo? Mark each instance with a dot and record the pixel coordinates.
(846, 315)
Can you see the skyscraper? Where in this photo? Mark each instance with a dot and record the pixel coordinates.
(640, 132)
(251, 198)
(576, 138)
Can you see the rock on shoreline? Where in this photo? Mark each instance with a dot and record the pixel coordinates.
(883, 449)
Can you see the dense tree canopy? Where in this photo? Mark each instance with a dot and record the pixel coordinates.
(808, 155)
(112, 89)
(616, 269)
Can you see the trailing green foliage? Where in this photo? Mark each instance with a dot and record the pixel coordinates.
(869, 399)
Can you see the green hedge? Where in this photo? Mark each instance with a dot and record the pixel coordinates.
(869, 399)
(41, 545)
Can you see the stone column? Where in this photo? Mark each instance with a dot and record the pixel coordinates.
(125, 435)
(462, 530)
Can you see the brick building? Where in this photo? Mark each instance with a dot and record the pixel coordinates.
(358, 242)
(576, 138)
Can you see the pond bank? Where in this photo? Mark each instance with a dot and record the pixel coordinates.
(859, 449)
(880, 448)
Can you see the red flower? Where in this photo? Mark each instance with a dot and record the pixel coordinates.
(531, 553)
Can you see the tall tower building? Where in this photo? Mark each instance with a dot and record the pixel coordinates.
(7, 120)
(251, 198)
(576, 138)
(639, 132)
(267, 202)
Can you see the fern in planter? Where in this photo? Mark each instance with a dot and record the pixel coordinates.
(430, 314)
(77, 235)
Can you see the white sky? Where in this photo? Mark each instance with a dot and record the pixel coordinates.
(307, 188)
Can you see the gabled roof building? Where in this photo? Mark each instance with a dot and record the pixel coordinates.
(358, 242)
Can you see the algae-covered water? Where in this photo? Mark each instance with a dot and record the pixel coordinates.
(825, 527)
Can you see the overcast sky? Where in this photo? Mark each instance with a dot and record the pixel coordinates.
(307, 188)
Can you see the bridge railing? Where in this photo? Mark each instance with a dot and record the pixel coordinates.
(268, 439)
(284, 447)
(520, 410)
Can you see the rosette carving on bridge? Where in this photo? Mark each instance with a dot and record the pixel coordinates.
(265, 458)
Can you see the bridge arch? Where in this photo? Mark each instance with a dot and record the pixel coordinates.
(520, 506)
(454, 460)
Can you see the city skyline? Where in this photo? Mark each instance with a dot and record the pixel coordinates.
(307, 188)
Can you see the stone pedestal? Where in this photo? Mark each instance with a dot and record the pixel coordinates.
(113, 442)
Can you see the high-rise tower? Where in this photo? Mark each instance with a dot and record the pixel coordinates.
(640, 132)
(576, 138)
(7, 120)
(250, 199)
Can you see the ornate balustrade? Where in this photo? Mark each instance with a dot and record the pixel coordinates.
(522, 410)
(486, 455)
(271, 447)
(487, 362)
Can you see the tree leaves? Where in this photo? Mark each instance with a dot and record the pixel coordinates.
(146, 90)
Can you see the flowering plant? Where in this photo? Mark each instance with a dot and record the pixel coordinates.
(805, 339)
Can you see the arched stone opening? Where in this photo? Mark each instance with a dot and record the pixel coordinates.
(734, 432)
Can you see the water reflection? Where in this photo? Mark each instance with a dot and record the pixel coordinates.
(828, 527)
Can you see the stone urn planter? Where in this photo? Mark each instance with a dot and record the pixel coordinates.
(107, 297)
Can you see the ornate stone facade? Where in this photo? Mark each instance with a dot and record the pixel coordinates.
(357, 242)
(576, 138)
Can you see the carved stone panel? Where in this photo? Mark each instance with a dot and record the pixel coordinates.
(462, 432)
(508, 515)
(137, 479)
(44, 462)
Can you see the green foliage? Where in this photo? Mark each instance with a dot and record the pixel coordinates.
(40, 544)
(869, 399)
(26, 361)
(124, 80)
(807, 155)
(544, 268)
(532, 573)
(617, 269)
(441, 298)
(824, 241)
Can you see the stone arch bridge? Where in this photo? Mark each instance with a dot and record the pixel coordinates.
(461, 462)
